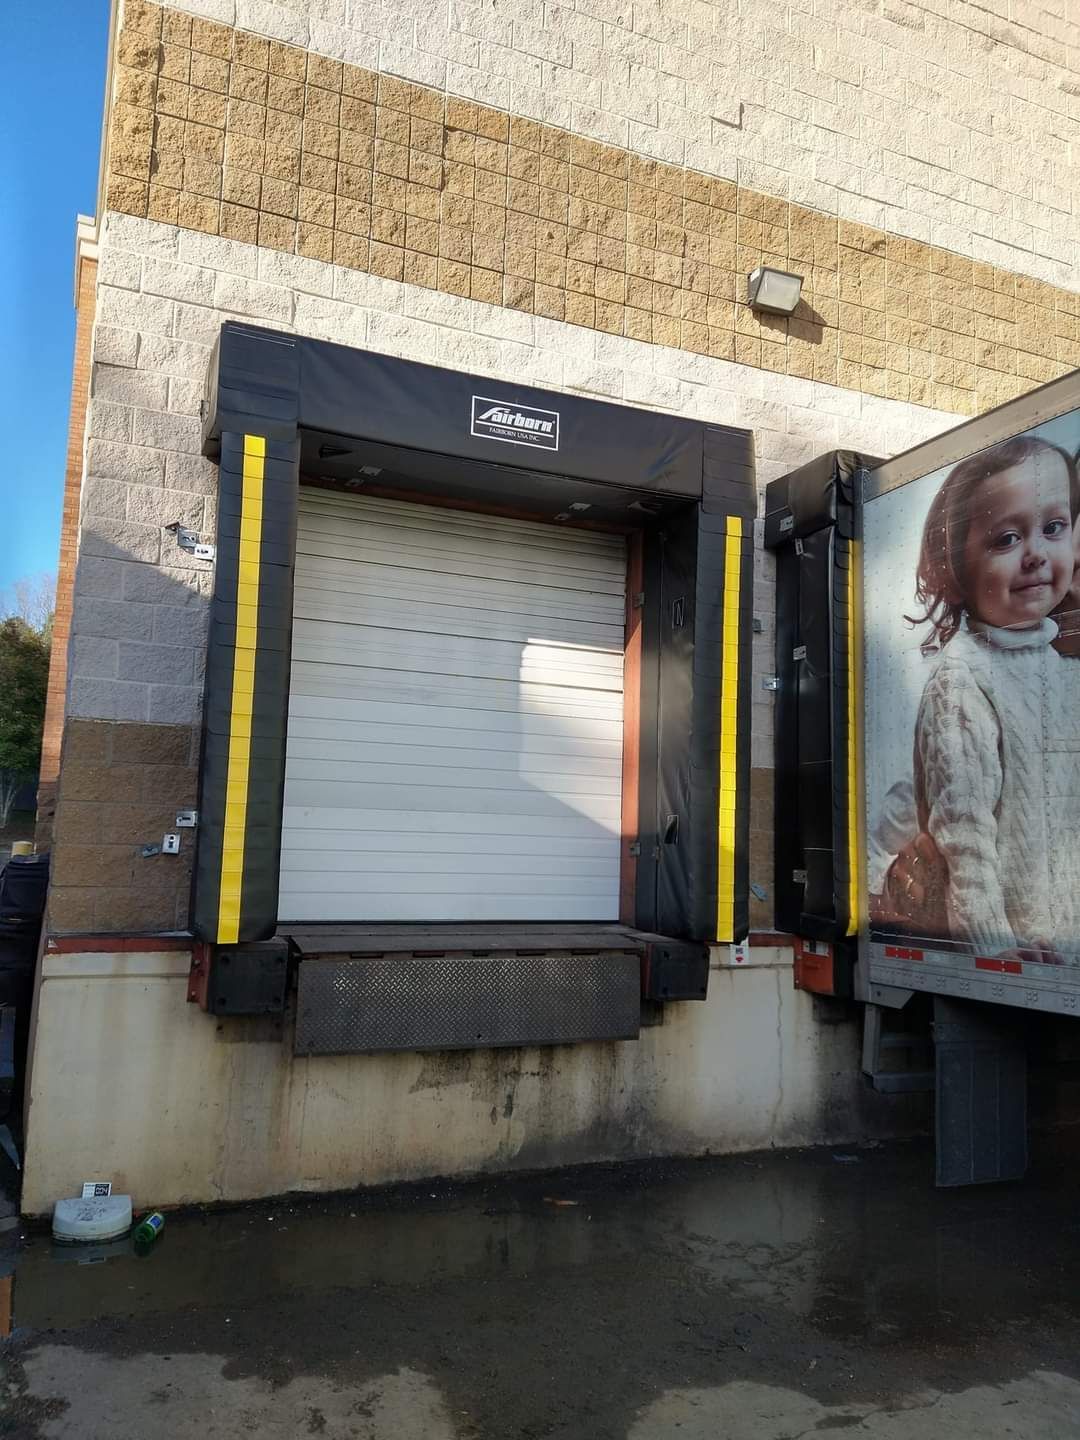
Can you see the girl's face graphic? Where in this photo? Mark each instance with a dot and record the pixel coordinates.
(1019, 555)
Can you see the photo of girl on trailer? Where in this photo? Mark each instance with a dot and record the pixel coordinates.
(972, 615)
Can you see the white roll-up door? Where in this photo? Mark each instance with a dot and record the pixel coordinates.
(455, 717)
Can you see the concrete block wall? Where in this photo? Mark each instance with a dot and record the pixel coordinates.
(951, 122)
(910, 159)
(225, 132)
(163, 293)
(122, 786)
(265, 163)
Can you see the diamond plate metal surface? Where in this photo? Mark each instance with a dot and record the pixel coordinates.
(458, 1002)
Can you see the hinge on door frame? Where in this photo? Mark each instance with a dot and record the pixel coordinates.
(637, 600)
(634, 848)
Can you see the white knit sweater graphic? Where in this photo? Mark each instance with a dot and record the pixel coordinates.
(997, 785)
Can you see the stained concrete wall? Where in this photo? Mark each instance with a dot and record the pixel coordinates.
(187, 1108)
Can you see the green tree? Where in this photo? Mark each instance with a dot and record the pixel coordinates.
(24, 679)
(31, 598)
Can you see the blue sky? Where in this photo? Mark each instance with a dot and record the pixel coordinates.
(50, 134)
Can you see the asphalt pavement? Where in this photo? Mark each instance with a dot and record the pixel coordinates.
(763, 1297)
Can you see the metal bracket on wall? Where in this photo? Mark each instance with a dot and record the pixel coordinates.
(189, 542)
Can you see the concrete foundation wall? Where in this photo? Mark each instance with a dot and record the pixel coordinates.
(186, 1108)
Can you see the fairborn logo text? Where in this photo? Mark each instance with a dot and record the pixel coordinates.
(516, 424)
(497, 416)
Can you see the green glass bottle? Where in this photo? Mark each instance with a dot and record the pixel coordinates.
(147, 1231)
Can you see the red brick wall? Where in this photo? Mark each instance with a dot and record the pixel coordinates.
(69, 540)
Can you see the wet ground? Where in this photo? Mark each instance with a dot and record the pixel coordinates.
(758, 1298)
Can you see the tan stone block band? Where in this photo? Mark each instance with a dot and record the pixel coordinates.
(221, 131)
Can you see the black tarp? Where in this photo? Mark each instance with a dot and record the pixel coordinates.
(360, 393)
(809, 525)
(687, 485)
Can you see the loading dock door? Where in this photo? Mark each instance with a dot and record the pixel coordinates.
(455, 717)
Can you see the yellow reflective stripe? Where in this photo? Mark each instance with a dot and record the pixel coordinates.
(243, 691)
(729, 734)
(852, 750)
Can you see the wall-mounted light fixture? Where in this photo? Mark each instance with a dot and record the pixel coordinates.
(777, 291)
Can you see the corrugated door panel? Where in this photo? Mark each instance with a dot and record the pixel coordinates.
(455, 717)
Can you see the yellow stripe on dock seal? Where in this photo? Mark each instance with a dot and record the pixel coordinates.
(243, 692)
(729, 735)
(853, 672)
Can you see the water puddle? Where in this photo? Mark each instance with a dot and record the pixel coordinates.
(853, 1247)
